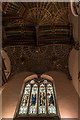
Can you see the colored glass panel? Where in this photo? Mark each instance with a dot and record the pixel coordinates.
(33, 100)
(25, 100)
(42, 100)
(32, 81)
(45, 81)
(50, 99)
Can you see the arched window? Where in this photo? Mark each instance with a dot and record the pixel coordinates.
(38, 99)
(76, 7)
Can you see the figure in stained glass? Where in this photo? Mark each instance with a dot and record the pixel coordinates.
(33, 99)
(42, 100)
(51, 101)
(30, 102)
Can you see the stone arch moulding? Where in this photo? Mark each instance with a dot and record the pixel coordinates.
(30, 77)
(72, 9)
(26, 79)
(47, 82)
(45, 76)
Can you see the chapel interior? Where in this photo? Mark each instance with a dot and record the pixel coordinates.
(40, 48)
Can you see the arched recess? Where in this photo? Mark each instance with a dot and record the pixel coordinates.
(37, 99)
(73, 11)
(6, 62)
(12, 94)
(30, 77)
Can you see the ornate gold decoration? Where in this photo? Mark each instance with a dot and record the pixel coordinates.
(14, 8)
(61, 17)
(37, 16)
(36, 49)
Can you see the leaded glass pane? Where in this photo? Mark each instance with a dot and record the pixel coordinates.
(33, 100)
(50, 99)
(32, 81)
(42, 100)
(25, 100)
(45, 91)
(45, 81)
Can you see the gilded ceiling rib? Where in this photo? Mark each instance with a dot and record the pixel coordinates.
(6, 6)
(59, 12)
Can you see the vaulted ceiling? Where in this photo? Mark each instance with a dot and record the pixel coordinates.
(35, 23)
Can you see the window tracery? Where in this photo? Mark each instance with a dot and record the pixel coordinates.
(38, 98)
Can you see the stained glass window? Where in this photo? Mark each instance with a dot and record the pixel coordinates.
(25, 100)
(42, 99)
(38, 98)
(32, 81)
(50, 99)
(45, 81)
(33, 100)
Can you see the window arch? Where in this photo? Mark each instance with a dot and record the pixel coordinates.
(76, 7)
(38, 99)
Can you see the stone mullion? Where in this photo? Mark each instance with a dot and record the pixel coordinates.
(46, 99)
(38, 100)
(29, 100)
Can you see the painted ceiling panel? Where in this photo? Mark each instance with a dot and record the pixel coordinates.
(20, 20)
